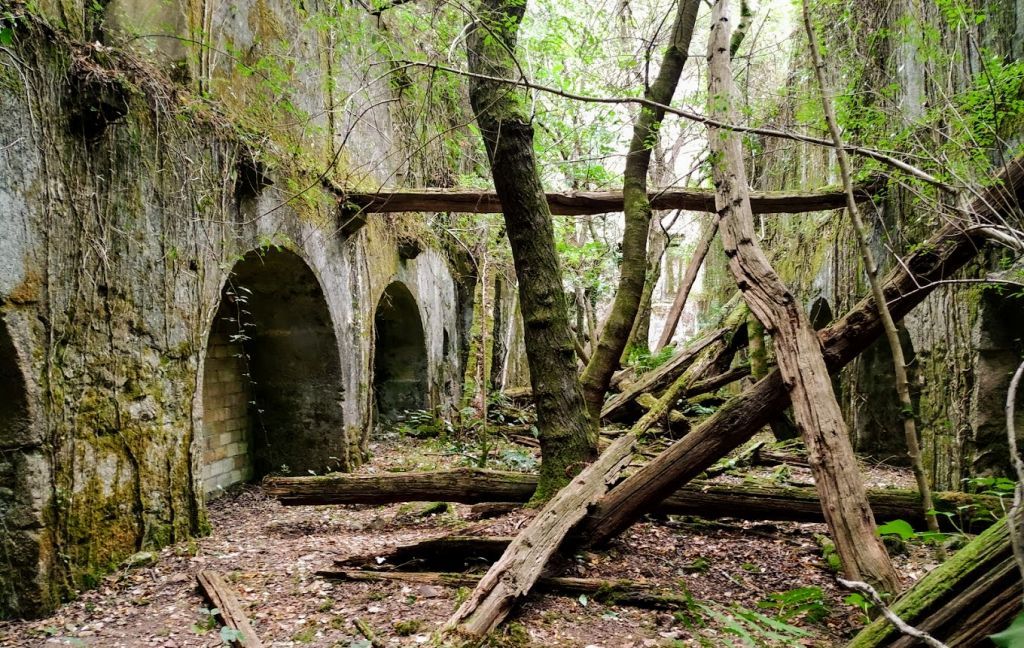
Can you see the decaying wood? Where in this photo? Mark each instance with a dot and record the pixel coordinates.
(581, 203)
(613, 592)
(797, 349)
(706, 499)
(519, 568)
(232, 614)
(892, 618)
(937, 258)
(970, 596)
(458, 485)
(447, 553)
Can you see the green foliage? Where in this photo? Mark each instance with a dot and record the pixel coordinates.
(806, 602)
(1013, 636)
(642, 360)
(900, 528)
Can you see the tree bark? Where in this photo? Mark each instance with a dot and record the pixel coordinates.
(520, 566)
(657, 243)
(637, 208)
(692, 268)
(568, 437)
(611, 592)
(892, 335)
(797, 348)
(706, 499)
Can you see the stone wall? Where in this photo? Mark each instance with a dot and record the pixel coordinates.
(133, 185)
(226, 419)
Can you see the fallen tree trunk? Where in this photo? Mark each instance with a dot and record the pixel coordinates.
(708, 500)
(514, 574)
(612, 592)
(581, 203)
(908, 284)
(232, 614)
(463, 485)
(970, 596)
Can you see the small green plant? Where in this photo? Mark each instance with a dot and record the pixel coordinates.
(642, 360)
(858, 601)
(806, 602)
(207, 620)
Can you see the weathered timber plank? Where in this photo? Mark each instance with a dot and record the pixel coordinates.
(579, 203)
(231, 612)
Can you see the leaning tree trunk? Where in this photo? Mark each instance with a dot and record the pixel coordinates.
(797, 347)
(707, 234)
(657, 244)
(637, 206)
(568, 438)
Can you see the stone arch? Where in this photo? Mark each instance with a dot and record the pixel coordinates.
(400, 368)
(24, 470)
(272, 375)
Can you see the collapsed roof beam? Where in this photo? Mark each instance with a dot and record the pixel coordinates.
(580, 203)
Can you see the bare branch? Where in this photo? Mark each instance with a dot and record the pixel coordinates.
(890, 616)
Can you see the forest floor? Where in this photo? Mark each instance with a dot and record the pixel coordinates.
(269, 554)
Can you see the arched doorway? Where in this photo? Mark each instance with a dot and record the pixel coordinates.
(272, 375)
(23, 469)
(400, 355)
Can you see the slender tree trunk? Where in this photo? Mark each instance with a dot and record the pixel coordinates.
(637, 207)
(497, 328)
(797, 347)
(692, 268)
(892, 335)
(657, 242)
(568, 437)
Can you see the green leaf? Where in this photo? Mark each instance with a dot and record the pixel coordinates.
(901, 528)
(6, 36)
(227, 635)
(1012, 636)
(583, 600)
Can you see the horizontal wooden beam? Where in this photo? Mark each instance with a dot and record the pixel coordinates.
(580, 203)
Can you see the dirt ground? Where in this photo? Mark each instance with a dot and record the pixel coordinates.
(748, 582)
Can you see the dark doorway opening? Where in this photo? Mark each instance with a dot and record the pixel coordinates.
(400, 355)
(272, 377)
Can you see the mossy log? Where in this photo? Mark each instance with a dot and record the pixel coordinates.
(970, 596)
(705, 499)
(463, 485)
(612, 592)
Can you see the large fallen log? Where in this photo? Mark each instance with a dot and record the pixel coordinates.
(612, 592)
(970, 596)
(579, 203)
(463, 485)
(908, 284)
(705, 499)
(514, 574)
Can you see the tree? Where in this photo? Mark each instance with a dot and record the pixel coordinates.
(568, 437)
(797, 347)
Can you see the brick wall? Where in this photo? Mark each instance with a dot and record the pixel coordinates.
(226, 421)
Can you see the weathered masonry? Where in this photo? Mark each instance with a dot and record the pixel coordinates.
(183, 305)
